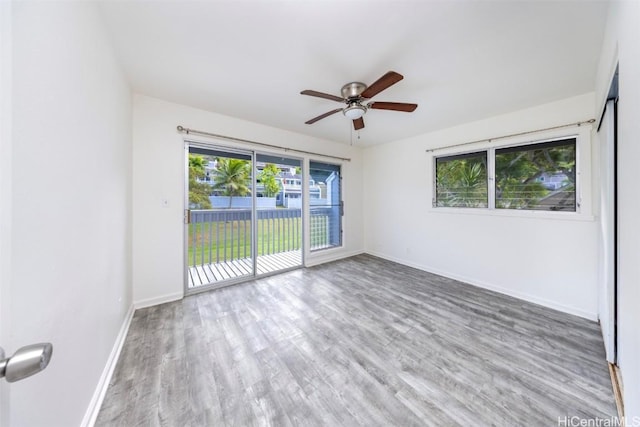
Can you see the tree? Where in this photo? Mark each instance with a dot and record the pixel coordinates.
(198, 191)
(518, 173)
(268, 178)
(462, 182)
(232, 177)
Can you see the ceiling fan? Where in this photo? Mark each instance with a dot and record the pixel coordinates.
(356, 95)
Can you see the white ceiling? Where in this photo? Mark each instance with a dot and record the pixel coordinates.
(462, 60)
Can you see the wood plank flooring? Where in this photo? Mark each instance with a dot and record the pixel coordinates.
(204, 274)
(357, 342)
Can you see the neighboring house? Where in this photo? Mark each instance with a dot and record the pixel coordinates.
(290, 184)
(211, 166)
(553, 181)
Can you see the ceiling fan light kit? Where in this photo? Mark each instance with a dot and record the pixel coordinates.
(354, 111)
(355, 94)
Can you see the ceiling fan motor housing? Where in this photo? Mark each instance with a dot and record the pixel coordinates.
(353, 90)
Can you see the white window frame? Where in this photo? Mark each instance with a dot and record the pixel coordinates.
(582, 135)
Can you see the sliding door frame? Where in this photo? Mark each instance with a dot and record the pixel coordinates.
(188, 142)
(185, 261)
(302, 212)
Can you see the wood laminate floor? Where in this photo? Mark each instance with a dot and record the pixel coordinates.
(362, 341)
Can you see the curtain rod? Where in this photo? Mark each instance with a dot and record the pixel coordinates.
(511, 135)
(262, 144)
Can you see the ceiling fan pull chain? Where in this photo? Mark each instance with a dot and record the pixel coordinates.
(350, 135)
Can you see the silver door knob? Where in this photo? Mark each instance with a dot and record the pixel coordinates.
(25, 362)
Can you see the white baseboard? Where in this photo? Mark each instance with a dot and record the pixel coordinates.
(321, 258)
(103, 384)
(149, 302)
(520, 295)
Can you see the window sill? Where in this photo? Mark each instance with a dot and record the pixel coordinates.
(513, 213)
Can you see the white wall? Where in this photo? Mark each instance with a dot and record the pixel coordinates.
(158, 173)
(5, 192)
(622, 43)
(547, 258)
(71, 205)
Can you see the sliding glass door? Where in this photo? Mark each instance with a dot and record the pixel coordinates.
(325, 205)
(243, 215)
(220, 226)
(278, 213)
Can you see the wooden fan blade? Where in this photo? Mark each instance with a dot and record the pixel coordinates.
(358, 123)
(321, 95)
(396, 106)
(322, 116)
(381, 84)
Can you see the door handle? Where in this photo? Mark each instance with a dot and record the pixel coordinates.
(27, 361)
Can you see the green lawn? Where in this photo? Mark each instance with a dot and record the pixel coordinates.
(220, 241)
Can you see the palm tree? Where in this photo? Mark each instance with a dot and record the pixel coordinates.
(232, 176)
(198, 190)
(197, 166)
(462, 183)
